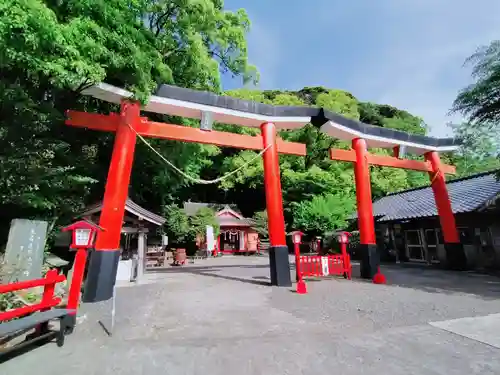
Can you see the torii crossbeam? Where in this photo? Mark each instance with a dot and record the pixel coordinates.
(195, 104)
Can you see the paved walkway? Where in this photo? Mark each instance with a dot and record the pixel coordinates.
(216, 317)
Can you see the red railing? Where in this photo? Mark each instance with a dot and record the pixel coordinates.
(47, 302)
(317, 265)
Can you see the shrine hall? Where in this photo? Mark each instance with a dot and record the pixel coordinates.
(236, 234)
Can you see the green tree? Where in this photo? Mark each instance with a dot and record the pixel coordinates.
(199, 221)
(260, 223)
(200, 39)
(480, 101)
(177, 225)
(323, 213)
(480, 104)
(51, 50)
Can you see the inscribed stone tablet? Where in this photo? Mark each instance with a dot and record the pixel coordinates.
(24, 252)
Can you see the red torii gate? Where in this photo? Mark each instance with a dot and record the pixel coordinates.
(194, 104)
(362, 160)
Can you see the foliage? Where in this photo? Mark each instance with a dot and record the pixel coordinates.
(480, 104)
(9, 300)
(389, 117)
(199, 38)
(182, 228)
(478, 152)
(480, 101)
(177, 224)
(260, 223)
(52, 50)
(199, 221)
(323, 213)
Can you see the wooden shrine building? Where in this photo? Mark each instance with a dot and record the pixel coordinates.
(139, 234)
(236, 232)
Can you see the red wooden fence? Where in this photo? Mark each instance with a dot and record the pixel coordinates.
(317, 265)
(47, 302)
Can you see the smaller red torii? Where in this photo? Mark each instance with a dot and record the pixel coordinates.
(362, 160)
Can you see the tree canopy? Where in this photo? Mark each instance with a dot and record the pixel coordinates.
(51, 50)
(479, 103)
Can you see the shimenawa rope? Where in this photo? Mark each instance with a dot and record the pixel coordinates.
(193, 179)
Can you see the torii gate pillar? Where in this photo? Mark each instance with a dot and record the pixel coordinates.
(278, 253)
(369, 258)
(104, 260)
(455, 253)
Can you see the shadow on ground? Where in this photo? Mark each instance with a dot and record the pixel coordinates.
(434, 280)
(214, 271)
(414, 276)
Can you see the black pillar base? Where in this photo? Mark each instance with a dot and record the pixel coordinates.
(101, 276)
(455, 256)
(279, 266)
(370, 261)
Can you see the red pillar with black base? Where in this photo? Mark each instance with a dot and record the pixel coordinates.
(370, 260)
(278, 252)
(455, 253)
(103, 265)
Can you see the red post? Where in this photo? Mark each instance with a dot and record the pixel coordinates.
(217, 246)
(103, 265)
(343, 250)
(370, 259)
(77, 279)
(298, 275)
(443, 204)
(363, 193)
(49, 289)
(278, 251)
(455, 254)
(272, 184)
(117, 183)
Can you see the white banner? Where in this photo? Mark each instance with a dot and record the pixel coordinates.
(324, 266)
(210, 238)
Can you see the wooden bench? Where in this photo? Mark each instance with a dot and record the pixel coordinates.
(41, 321)
(38, 315)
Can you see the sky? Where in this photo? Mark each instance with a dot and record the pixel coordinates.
(406, 53)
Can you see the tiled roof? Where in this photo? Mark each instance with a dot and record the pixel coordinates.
(228, 221)
(131, 207)
(466, 194)
(191, 208)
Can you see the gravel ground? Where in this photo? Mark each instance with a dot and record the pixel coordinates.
(218, 316)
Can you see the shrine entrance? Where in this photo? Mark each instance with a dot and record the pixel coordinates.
(175, 101)
(231, 241)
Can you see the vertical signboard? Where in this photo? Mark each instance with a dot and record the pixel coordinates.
(24, 251)
(210, 238)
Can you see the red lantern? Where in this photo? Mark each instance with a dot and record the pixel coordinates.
(84, 234)
(83, 237)
(297, 240)
(343, 238)
(297, 237)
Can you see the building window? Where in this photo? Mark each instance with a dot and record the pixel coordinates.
(412, 237)
(414, 248)
(431, 238)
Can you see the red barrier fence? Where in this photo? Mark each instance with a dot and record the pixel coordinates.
(47, 302)
(328, 265)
